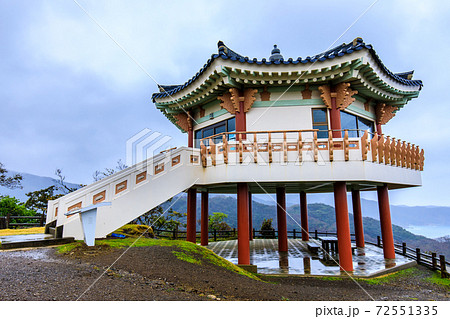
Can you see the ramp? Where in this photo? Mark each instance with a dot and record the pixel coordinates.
(132, 192)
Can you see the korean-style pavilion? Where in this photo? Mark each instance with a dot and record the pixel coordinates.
(277, 125)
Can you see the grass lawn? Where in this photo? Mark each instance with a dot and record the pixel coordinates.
(185, 251)
(22, 231)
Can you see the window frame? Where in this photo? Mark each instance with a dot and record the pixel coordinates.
(320, 123)
(357, 117)
(213, 127)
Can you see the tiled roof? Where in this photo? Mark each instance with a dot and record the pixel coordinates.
(226, 53)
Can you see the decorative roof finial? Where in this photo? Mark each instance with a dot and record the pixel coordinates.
(276, 55)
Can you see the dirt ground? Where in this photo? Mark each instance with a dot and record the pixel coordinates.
(155, 273)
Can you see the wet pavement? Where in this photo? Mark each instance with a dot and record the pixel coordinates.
(22, 238)
(368, 261)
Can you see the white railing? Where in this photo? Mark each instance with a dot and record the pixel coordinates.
(112, 187)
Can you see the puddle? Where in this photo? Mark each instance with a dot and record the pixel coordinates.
(299, 260)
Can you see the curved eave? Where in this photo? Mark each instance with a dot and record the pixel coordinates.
(340, 51)
(360, 72)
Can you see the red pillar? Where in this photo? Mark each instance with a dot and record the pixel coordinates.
(191, 138)
(357, 218)
(241, 121)
(281, 219)
(304, 216)
(191, 215)
(204, 219)
(343, 226)
(335, 117)
(242, 219)
(379, 130)
(250, 217)
(385, 221)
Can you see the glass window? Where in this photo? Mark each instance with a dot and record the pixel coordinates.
(218, 130)
(354, 122)
(197, 137)
(349, 122)
(364, 125)
(221, 127)
(320, 122)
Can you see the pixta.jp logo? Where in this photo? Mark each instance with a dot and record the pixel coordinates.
(145, 145)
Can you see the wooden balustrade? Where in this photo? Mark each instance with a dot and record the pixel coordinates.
(346, 146)
(269, 147)
(212, 150)
(384, 149)
(300, 147)
(365, 146)
(315, 148)
(394, 152)
(225, 149)
(330, 145)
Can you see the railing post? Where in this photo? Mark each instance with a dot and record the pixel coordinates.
(315, 234)
(433, 261)
(418, 255)
(294, 234)
(254, 233)
(443, 266)
(378, 241)
(8, 220)
(215, 235)
(42, 220)
(404, 249)
(234, 232)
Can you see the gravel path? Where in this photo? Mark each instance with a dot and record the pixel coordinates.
(154, 273)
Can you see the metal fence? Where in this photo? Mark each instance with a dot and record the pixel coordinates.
(10, 221)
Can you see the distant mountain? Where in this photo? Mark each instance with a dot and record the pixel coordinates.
(30, 183)
(401, 215)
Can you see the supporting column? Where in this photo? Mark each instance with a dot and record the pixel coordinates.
(191, 215)
(250, 217)
(304, 216)
(242, 220)
(240, 117)
(385, 221)
(379, 130)
(357, 218)
(343, 226)
(204, 219)
(281, 219)
(190, 138)
(335, 117)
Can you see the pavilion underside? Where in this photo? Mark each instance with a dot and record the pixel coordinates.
(295, 187)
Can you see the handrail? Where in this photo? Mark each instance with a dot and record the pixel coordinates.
(384, 149)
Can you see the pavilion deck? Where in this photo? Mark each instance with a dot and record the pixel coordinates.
(367, 262)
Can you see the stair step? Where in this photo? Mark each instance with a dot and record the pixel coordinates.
(37, 243)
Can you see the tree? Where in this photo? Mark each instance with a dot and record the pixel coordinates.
(98, 175)
(9, 181)
(13, 207)
(217, 222)
(267, 230)
(62, 184)
(38, 200)
(158, 219)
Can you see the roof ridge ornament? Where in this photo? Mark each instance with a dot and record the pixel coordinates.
(276, 54)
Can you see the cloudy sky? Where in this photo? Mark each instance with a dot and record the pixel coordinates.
(70, 97)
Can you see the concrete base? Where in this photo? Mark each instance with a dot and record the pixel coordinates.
(249, 268)
(36, 243)
(299, 261)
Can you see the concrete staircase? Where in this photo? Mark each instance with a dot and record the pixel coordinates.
(131, 192)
